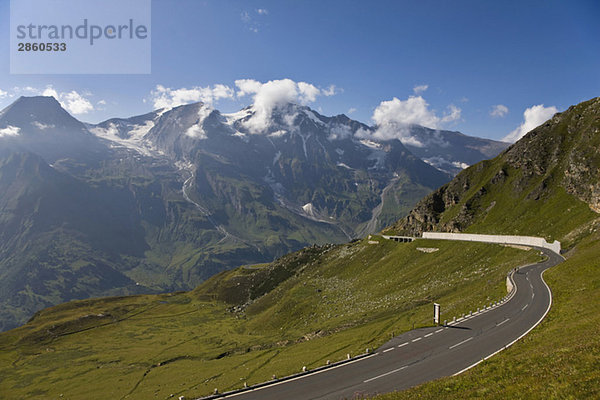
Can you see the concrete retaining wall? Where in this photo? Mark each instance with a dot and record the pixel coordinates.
(509, 285)
(502, 239)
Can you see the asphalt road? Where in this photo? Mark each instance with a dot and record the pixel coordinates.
(426, 354)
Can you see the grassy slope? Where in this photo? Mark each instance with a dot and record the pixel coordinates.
(558, 360)
(190, 343)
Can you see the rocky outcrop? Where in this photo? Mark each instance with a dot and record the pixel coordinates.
(564, 151)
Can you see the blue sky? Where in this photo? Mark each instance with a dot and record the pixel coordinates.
(465, 59)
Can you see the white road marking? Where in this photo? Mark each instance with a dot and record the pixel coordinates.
(386, 374)
(506, 320)
(402, 345)
(439, 330)
(429, 334)
(416, 340)
(524, 307)
(458, 344)
(386, 350)
(524, 334)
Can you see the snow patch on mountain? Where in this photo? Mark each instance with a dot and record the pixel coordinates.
(232, 118)
(341, 164)
(134, 140)
(311, 115)
(309, 209)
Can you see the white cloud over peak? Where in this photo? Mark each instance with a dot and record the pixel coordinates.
(420, 89)
(3, 94)
(262, 11)
(163, 97)
(532, 118)
(308, 92)
(499, 111)
(73, 101)
(273, 94)
(49, 91)
(393, 119)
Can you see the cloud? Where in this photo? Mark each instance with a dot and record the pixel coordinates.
(49, 91)
(72, 101)
(3, 94)
(273, 94)
(412, 111)
(351, 110)
(453, 114)
(253, 20)
(9, 131)
(196, 131)
(339, 132)
(163, 97)
(41, 126)
(420, 89)
(331, 90)
(393, 119)
(533, 117)
(75, 103)
(499, 111)
(308, 92)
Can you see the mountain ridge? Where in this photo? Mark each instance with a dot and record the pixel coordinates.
(177, 195)
(324, 302)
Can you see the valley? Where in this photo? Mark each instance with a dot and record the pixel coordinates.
(165, 200)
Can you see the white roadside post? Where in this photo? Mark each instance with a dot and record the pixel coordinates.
(436, 313)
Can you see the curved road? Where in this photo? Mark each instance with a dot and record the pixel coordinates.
(425, 354)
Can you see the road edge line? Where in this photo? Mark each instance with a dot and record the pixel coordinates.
(524, 334)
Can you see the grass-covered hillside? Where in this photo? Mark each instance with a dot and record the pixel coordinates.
(322, 303)
(529, 189)
(547, 184)
(248, 324)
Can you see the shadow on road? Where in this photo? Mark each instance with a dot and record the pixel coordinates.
(457, 327)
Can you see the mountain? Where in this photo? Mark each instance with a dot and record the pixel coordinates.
(162, 201)
(306, 160)
(40, 125)
(555, 161)
(324, 302)
(449, 151)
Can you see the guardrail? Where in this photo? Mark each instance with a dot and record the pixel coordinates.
(275, 381)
